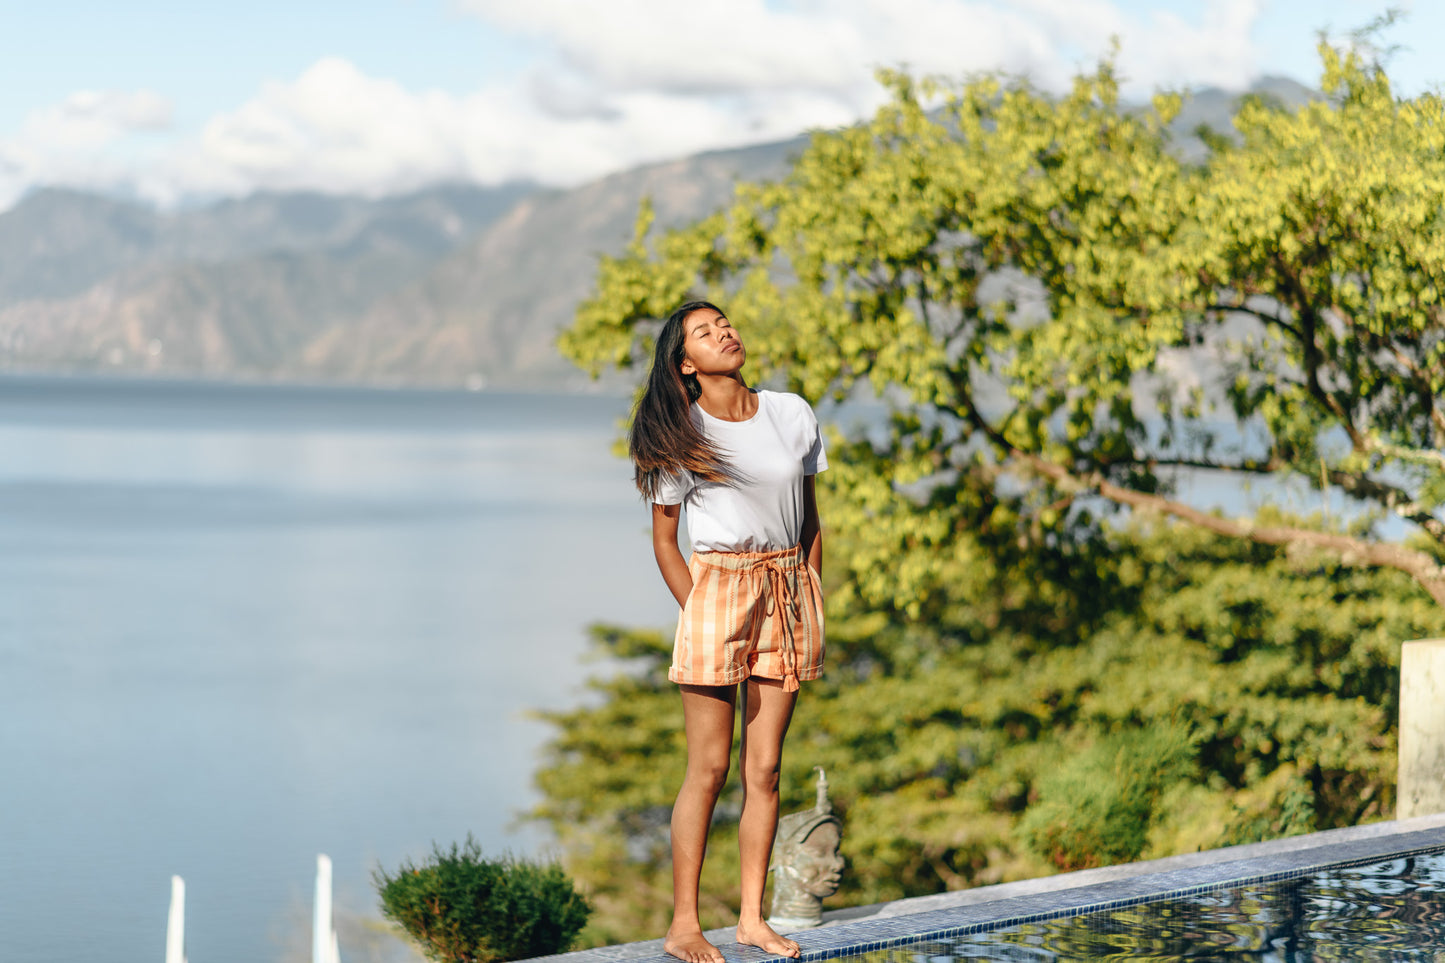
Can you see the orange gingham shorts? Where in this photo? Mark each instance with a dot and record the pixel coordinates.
(750, 614)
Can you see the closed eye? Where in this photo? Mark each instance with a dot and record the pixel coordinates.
(705, 327)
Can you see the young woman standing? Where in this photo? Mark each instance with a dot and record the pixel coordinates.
(742, 462)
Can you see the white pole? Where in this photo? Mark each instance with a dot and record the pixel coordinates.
(323, 937)
(176, 924)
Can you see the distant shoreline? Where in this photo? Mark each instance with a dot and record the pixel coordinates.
(611, 387)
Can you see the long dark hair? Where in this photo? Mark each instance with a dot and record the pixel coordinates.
(663, 438)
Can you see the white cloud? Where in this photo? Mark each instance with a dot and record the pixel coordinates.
(333, 128)
(833, 46)
(337, 129)
(79, 141)
(616, 84)
(91, 119)
(121, 110)
(718, 46)
(1216, 51)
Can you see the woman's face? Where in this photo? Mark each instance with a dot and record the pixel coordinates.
(819, 865)
(710, 344)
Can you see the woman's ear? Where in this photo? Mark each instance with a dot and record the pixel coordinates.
(687, 367)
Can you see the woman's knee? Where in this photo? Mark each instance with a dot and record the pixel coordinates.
(761, 776)
(708, 775)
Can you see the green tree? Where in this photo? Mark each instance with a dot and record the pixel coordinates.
(1037, 286)
(1061, 315)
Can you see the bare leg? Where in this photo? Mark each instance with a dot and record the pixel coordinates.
(767, 710)
(707, 715)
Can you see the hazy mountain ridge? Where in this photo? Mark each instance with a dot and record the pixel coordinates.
(237, 288)
(448, 285)
(494, 307)
(58, 242)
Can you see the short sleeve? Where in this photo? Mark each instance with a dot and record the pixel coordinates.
(672, 489)
(816, 458)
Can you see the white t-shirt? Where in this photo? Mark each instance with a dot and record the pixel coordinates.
(761, 510)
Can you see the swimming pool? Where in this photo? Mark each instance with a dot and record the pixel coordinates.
(1372, 893)
(1389, 910)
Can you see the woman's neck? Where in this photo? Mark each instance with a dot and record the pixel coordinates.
(726, 398)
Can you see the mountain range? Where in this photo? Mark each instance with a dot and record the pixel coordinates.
(455, 284)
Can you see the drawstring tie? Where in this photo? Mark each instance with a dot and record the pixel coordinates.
(781, 602)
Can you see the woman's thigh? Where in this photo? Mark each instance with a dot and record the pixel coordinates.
(707, 715)
(767, 712)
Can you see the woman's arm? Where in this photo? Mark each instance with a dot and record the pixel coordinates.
(812, 526)
(669, 557)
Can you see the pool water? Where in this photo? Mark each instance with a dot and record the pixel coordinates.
(1387, 910)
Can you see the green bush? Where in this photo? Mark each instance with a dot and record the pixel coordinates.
(1096, 807)
(462, 908)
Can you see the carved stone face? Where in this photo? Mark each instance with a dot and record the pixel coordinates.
(818, 864)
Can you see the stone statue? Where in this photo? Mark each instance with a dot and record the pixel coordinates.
(806, 863)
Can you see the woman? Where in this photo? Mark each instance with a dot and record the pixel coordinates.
(742, 462)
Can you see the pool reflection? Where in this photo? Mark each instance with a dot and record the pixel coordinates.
(1387, 911)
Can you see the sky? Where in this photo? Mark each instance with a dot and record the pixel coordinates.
(180, 101)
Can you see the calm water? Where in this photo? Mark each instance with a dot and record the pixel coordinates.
(240, 626)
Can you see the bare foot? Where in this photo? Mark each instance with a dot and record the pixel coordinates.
(761, 935)
(691, 946)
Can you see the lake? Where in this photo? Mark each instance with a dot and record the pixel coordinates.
(244, 625)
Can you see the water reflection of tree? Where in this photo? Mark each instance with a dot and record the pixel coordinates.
(1384, 912)
(1394, 910)
(1390, 910)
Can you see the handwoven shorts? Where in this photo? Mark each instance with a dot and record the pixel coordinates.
(750, 614)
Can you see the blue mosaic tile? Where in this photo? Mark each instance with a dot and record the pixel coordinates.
(914, 930)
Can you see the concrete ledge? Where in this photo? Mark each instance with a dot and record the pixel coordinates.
(867, 927)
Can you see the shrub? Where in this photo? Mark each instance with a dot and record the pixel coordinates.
(1095, 808)
(462, 908)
